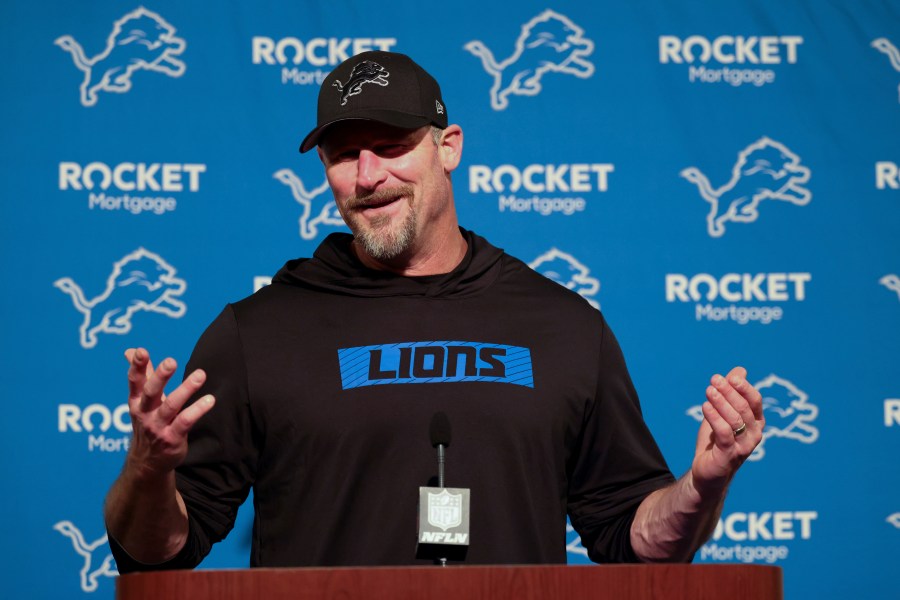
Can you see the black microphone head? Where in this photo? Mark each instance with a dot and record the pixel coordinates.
(439, 430)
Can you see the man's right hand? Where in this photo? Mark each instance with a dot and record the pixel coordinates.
(159, 443)
(144, 512)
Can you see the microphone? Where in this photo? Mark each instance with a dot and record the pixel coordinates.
(440, 439)
(443, 512)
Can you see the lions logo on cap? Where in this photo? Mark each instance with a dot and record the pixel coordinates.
(365, 72)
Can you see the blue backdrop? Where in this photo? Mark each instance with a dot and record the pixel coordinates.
(720, 178)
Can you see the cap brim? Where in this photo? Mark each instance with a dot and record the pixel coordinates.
(388, 117)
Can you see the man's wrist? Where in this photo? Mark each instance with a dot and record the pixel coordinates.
(140, 476)
(704, 494)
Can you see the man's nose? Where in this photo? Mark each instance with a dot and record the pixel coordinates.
(370, 170)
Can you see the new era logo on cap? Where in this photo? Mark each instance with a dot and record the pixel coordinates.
(401, 94)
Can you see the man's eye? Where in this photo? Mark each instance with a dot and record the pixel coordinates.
(344, 155)
(390, 149)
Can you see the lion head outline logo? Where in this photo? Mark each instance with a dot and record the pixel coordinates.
(367, 71)
(764, 170)
(318, 208)
(569, 272)
(91, 553)
(141, 40)
(550, 42)
(141, 281)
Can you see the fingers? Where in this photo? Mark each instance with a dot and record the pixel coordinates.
(738, 380)
(738, 372)
(730, 403)
(174, 401)
(152, 393)
(137, 374)
(731, 431)
(718, 400)
(146, 388)
(734, 411)
(189, 416)
(723, 434)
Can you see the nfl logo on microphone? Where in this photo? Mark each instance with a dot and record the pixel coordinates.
(444, 509)
(443, 523)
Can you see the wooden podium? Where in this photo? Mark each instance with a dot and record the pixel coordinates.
(616, 582)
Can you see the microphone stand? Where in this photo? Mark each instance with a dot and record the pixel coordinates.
(441, 460)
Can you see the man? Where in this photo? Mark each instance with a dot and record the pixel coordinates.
(318, 391)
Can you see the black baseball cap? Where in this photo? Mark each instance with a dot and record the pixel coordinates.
(378, 86)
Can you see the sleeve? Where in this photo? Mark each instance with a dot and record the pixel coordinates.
(616, 463)
(220, 467)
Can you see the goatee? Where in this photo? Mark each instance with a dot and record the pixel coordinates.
(382, 238)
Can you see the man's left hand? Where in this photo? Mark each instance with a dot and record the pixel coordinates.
(732, 428)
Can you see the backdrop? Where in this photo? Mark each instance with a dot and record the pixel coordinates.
(721, 179)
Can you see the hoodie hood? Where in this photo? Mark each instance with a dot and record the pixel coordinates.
(335, 268)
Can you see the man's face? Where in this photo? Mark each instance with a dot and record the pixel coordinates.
(389, 184)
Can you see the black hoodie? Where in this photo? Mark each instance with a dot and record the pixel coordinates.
(327, 381)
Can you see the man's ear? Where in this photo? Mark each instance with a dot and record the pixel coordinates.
(450, 147)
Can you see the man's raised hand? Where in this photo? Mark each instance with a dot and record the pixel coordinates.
(732, 428)
(160, 426)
